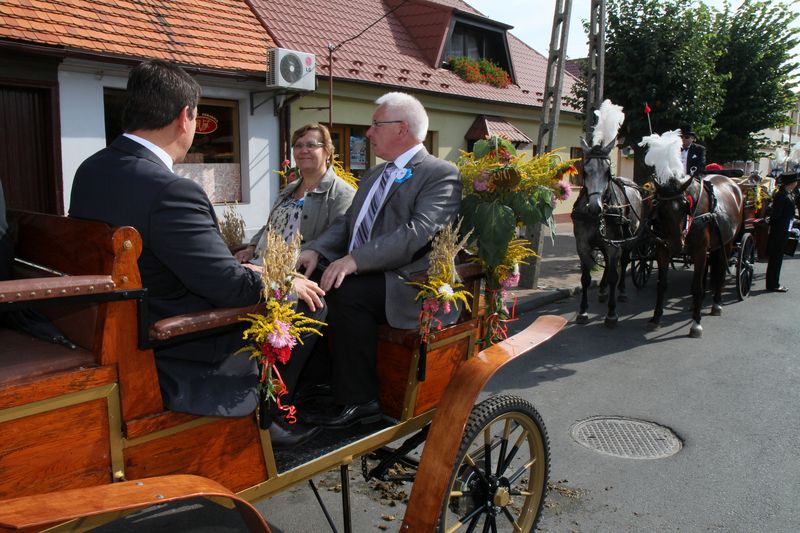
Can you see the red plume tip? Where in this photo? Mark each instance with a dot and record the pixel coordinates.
(647, 108)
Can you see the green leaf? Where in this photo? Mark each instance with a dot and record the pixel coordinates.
(494, 224)
(482, 148)
(525, 208)
(468, 212)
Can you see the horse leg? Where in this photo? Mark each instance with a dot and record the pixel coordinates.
(717, 279)
(625, 258)
(612, 263)
(586, 279)
(663, 260)
(698, 291)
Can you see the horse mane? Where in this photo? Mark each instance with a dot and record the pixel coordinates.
(664, 153)
(609, 119)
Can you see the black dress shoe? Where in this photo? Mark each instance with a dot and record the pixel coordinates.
(779, 289)
(348, 415)
(288, 436)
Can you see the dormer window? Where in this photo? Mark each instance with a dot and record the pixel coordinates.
(478, 38)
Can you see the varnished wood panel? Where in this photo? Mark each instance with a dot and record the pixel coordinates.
(60, 449)
(227, 451)
(144, 426)
(394, 361)
(442, 364)
(46, 387)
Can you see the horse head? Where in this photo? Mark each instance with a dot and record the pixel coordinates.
(596, 173)
(673, 206)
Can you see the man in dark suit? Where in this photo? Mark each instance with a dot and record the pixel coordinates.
(779, 223)
(185, 264)
(375, 246)
(693, 155)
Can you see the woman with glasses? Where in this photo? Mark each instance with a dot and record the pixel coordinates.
(311, 202)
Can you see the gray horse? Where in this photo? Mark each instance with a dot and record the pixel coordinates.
(606, 216)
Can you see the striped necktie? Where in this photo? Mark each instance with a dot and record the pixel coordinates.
(365, 228)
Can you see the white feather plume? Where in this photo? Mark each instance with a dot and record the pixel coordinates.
(779, 158)
(609, 118)
(664, 153)
(794, 155)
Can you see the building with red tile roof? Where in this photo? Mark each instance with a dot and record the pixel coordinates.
(64, 64)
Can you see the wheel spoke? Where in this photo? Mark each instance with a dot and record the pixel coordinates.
(487, 523)
(510, 518)
(473, 523)
(513, 452)
(522, 470)
(503, 445)
(477, 470)
(487, 449)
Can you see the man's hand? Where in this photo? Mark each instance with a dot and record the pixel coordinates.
(309, 292)
(337, 271)
(307, 261)
(246, 254)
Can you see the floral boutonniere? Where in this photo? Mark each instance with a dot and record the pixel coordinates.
(404, 177)
(288, 172)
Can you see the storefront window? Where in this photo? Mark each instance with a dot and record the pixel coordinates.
(213, 160)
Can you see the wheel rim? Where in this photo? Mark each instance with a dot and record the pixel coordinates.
(504, 491)
(745, 273)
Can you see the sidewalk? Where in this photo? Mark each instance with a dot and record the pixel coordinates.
(560, 274)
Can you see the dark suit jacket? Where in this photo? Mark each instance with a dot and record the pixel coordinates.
(185, 266)
(695, 159)
(412, 213)
(782, 213)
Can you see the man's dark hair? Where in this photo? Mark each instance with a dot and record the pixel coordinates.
(157, 92)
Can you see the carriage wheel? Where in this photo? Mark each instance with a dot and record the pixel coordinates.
(642, 263)
(502, 468)
(745, 266)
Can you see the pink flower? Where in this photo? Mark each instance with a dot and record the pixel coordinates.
(286, 163)
(282, 338)
(431, 305)
(480, 185)
(564, 190)
(446, 307)
(510, 281)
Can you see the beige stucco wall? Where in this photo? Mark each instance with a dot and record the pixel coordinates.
(450, 117)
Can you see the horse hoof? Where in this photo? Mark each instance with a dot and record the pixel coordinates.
(716, 310)
(582, 318)
(696, 331)
(611, 322)
(602, 297)
(622, 298)
(653, 325)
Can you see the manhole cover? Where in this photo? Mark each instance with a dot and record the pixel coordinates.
(626, 437)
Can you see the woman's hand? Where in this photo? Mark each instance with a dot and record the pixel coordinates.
(309, 292)
(246, 254)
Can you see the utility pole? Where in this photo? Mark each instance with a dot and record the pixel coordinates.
(548, 125)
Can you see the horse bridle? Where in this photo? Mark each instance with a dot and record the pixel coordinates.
(612, 180)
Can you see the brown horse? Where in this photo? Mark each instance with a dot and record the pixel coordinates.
(702, 220)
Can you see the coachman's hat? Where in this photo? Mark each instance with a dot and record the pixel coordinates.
(686, 131)
(786, 179)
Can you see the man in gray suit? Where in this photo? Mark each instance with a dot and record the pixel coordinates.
(374, 248)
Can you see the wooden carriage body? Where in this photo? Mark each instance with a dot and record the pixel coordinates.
(93, 416)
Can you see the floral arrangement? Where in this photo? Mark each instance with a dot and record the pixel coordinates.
(289, 173)
(231, 226)
(441, 291)
(483, 71)
(502, 192)
(272, 335)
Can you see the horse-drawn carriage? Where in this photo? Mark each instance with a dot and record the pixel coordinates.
(83, 431)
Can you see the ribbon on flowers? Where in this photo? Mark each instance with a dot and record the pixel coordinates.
(496, 323)
(290, 410)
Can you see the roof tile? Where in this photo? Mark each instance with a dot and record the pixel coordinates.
(221, 34)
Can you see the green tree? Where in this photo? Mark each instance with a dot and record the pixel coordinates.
(663, 53)
(758, 38)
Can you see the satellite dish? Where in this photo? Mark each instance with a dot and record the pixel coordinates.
(291, 68)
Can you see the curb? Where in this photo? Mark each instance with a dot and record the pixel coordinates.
(547, 296)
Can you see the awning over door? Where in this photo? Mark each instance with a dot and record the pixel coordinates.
(489, 125)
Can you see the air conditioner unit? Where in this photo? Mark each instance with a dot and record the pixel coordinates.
(291, 70)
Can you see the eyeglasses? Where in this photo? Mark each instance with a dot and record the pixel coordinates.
(379, 123)
(309, 145)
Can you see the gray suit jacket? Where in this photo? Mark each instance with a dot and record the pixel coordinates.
(322, 206)
(412, 213)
